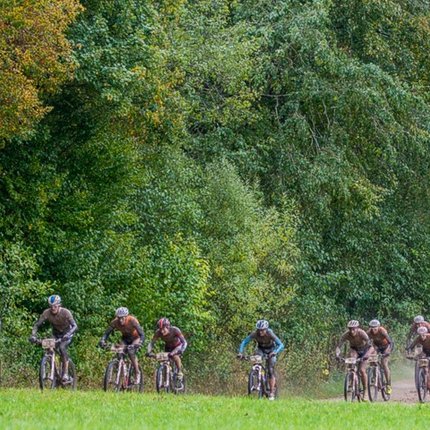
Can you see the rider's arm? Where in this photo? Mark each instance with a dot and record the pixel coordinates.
(139, 330)
(106, 334)
(342, 340)
(73, 328)
(152, 343)
(245, 342)
(183, 341)
(183, 346)
(410, 335)
(388, 337)
(278, 343)
(413, 344)
(39, 322)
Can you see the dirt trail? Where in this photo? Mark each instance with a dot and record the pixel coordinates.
(404, 391)
(403, 385)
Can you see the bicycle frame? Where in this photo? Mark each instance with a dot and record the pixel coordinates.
(121, 357)
(49, 345)
(260, 370)
(352, 375)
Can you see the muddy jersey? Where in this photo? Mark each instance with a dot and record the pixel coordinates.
(425, 343)
(380, 339)
(266, 342)
(172, 340)
(62, 322)
(415, 326)
(131, 329)
(359, 341)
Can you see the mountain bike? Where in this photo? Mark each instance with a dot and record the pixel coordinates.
(51, 367)
(376, 379)
(258, 382)
(120, 374)
(353, 386)
(166, 376)
(423, 366)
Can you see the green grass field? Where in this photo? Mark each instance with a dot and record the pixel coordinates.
(31, 409)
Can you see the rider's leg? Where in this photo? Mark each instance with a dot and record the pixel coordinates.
(271, 374)
(384, 363)
(64, 358)
(363, 369)
(177, 359)
(134, 360)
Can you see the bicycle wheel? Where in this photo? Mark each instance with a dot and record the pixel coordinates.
(372, 383)
(359, 388)
(422, 384)
(178, 385)
(417, 372)
(131, 378)
(254, 388)
(47, 375)
(349, 389)
(162, 384)
(71, 384)
(383, 385)
(111, 380)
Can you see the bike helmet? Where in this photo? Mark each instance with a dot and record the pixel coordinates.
(54, 300)
(163, 323)
(418, 319)
(422, 330)
(121, 312)
(353, 324)
(262, 325)
(374, 324)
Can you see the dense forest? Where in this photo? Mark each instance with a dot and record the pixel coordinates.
(215, 162)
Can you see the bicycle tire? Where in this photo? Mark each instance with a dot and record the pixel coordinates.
(161, 383)
(138, 388)
(383, 385)
(253, 383)
(178, 389)
(372, 383)
(349, 389)
(417, 371)
(109, 381)
(45, 371)
(72, 385)
(422, 385)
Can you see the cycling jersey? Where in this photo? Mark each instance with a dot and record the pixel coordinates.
(63, 323)
(174, 340)
(359, 341)
(380, 339)
(269, 341)
(424, 342)
(130, 330)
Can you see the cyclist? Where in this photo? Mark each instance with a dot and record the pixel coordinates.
(63, 327)
(383, 345)
(419, 321)
(422, 339)
(174, 343)
(267, 344)
(132, 336)
(359, 347)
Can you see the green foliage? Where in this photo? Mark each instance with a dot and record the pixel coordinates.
(216, 162)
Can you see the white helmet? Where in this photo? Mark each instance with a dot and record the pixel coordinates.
(374, 323)
(422, 330)
(121, 312)
(353, 324)
(262, 325)
(418, 319)
(54, 300)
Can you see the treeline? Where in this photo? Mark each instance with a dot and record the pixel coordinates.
(214, 162)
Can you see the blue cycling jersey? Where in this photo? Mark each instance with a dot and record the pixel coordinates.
(268, 341)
